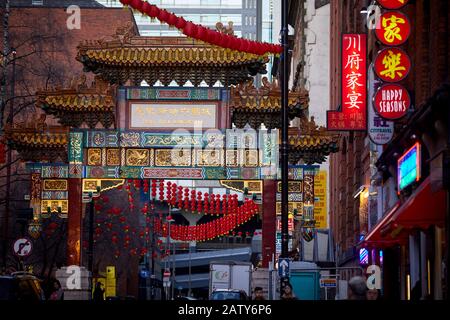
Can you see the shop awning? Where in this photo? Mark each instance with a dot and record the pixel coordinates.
(423, 209)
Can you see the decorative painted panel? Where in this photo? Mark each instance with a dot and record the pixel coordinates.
(55, 195)
(54, 205)
(113, 157)
(209, 158)
(94, 157)
(137, 157)
(55, 185)
(292, 206)
(251, 158)
(171, 94)
(173, 157)
(294, 187)
(76, 147)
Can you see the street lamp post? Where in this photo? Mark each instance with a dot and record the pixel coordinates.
(284, 134)
(9, 158)
(190, 285)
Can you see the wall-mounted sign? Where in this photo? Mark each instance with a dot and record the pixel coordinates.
(320, 200)
(408, 167)
(392, 4)
(173, 115)
(392, 65)
(353, 113)
(393, 28)
(381, 131)
(392, 101)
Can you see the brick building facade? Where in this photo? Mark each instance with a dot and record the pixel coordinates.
(363, 166)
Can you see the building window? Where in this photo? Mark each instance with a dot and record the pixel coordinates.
(37, 2)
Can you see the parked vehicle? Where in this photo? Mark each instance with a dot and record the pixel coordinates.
(225, 294)
(21, 286)
(230, 275)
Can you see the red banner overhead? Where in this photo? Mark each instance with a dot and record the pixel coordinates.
(353, 114)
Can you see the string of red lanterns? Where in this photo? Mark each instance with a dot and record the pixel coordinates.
(183, 198)
(199, 32)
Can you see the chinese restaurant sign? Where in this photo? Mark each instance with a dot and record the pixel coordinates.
(408, 167)
(392, 101)
(353, 114)
(173, 115)
(392, 65)
(393, 28)
(320, 201)
(392, 4)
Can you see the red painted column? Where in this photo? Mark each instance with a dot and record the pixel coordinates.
(74, 222)
(269, 221)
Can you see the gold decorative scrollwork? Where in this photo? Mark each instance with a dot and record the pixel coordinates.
(137, 157)
(113, 157)
(55, 185)
(94, 157)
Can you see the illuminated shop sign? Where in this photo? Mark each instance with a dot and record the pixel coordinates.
(408, 167)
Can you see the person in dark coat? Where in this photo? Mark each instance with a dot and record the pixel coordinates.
(99, 292)
(357, 288)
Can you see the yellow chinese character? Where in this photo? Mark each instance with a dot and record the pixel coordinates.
(391, 28)
(392, 65)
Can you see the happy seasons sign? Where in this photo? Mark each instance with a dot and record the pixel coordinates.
(392, 101)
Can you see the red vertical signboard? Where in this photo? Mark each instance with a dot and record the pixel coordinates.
(353, 113)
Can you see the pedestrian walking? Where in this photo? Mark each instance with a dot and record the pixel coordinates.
(288, 293)
(357, 288)
(57, 292)
(99, 292)
(259, 294)
(373, 294)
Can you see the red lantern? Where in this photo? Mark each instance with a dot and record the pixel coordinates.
(210, 36)
(224, 204)
(98, 231)
(174, 195)
(125, 2)
(202, 33)
(52, 226)
(180, 197)
(172, 19)
(122, 219)
(97, 207)
(234, 43)
(145, 7)
(190, 29)
(199, 202)
(137, 4)
(163, 15)
(161, 190)
(180, 23)
(206, 203)
(218, 204)
(153, 11)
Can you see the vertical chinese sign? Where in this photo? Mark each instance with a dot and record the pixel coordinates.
(320, 200)
(353, 113)
(392, 64)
